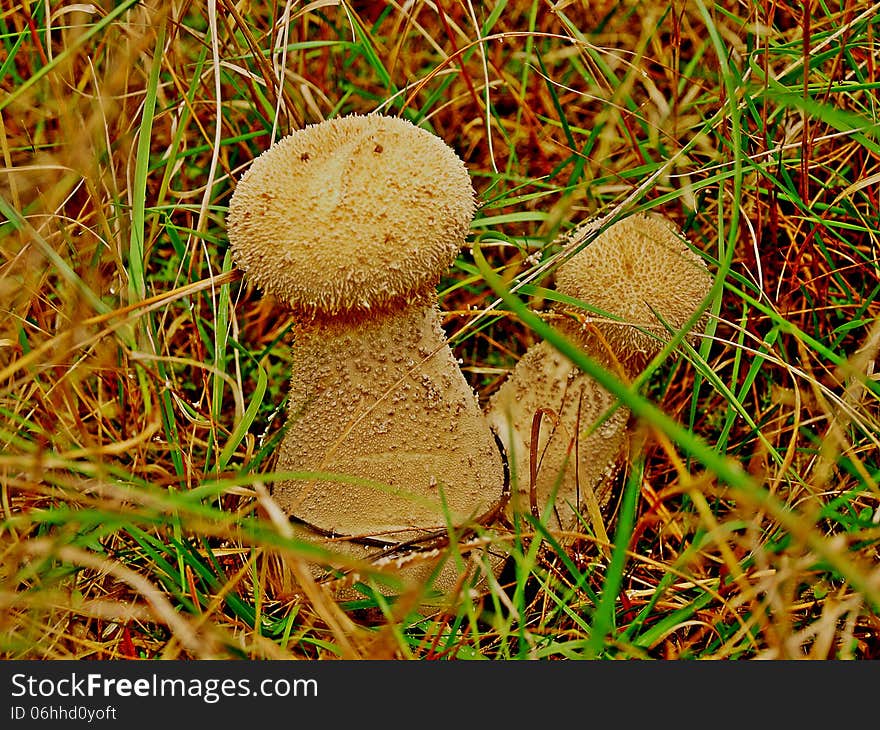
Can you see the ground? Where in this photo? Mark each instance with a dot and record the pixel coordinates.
(143, 381)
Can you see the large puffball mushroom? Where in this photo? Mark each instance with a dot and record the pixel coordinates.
(561, 429)
(351, 223)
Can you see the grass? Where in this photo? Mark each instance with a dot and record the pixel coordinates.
(142, 382)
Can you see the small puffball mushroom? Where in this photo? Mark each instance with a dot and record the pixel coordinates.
(351, 223)
(635, 268)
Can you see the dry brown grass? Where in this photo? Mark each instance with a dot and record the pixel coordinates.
(131, 352)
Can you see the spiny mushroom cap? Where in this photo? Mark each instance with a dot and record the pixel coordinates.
(351, 214)
(638, 265)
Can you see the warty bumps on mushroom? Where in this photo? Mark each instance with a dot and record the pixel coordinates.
(565, 433)
(351, 222)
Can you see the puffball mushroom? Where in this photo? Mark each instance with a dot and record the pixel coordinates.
(640, 271)
(637, 270)
(351, 223)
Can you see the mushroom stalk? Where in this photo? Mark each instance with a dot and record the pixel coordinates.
(381, 398)
(560, 434)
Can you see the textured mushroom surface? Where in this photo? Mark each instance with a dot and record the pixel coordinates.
(574, 456)
(350, 214)
(636, 267)
(385, 402)
(351, 223)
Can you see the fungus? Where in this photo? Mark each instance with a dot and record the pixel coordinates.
(351, 223)
(548, 402)
(637, 270)
(641, 272)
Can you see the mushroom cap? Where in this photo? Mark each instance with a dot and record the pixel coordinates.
(351, 214)
(637, 265)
